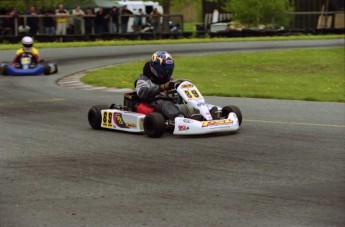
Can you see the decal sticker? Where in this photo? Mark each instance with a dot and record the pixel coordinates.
(216, 122)
(183, 128)
(118, 120)
(129, 125)
(187, 86)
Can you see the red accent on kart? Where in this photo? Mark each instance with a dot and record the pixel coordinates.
(144, 108)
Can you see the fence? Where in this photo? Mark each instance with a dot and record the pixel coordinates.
(298, 20)
(316, 20)
(18, 25)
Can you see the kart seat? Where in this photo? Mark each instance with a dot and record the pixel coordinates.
(133, 103)
(130, 101)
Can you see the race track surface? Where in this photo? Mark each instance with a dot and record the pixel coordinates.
(285, 167)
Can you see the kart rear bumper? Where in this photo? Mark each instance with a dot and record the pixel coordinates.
(39, 69)
(46, 69)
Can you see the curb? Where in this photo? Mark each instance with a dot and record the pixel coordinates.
(73, 81)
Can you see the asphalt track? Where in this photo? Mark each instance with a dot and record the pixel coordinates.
(285, 167)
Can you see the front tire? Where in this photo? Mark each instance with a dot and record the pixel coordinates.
(227, 109)
(154, 125)
(95, 116)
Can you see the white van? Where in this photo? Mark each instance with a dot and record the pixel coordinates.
(133, 6)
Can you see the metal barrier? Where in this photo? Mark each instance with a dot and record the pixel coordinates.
(168, 23)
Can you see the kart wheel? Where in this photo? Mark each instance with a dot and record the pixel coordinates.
(154, 125)
(227, 109)
(46, 70)
(4, 70)
(56, 69)
(95, 116)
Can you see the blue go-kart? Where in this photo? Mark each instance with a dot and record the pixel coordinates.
(27, 67)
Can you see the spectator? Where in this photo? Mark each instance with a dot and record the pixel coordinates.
(61, 20)
(89, 21)
(32, 21)
(114, 14)
(78, 20)
(155, 19)
(48, 22)
(13, 20)
(3, 12)
(101, 21)
(138, 22)
(125, 14)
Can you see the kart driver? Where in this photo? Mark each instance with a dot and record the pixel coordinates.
(156, 78)
(27, 48)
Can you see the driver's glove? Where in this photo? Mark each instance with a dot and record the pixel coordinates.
(167, 86)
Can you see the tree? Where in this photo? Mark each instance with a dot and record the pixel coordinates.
(23, 5)
(252, 13)
(167, 4)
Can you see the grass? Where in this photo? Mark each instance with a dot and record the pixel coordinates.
(316, 75)
(6, 46)
(304, 74)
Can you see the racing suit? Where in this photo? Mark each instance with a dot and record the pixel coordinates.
(34, 53)
(150, 92)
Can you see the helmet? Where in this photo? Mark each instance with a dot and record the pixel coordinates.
(27, 43)
(162, 66)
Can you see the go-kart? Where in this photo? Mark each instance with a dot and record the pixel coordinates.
(137, 116)
(26, 67)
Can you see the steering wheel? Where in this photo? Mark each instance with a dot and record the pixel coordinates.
(179, 81)
(171, 95)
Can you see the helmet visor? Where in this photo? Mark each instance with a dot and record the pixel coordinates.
(166, 72)
(27, 45)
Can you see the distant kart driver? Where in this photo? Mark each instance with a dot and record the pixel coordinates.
(27, 48)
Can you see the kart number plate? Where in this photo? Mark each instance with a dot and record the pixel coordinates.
(25, 61)
(52, 68)
(193, 94)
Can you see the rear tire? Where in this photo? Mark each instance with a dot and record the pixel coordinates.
(154, 125)
(4, 70)
(95, 116)
(46, 70)
(56, 69)
(227, 109)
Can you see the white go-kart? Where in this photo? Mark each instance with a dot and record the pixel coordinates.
(137, 117)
